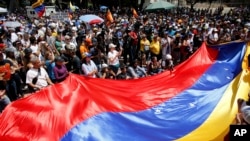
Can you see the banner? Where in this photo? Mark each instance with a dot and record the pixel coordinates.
(195, 102)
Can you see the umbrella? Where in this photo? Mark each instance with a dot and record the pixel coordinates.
(103, 8)
(160, 5)
(247, 24)
(3, 10)
(12, 24)
(91, 19)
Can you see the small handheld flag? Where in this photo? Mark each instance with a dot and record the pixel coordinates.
(39, 7)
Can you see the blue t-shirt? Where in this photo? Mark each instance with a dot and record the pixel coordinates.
(50, 66)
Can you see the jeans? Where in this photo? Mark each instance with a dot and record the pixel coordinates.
(11, 90)
(4, 101)
(132, 54)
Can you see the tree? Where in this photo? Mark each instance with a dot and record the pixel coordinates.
(141, 4)
(192, 3)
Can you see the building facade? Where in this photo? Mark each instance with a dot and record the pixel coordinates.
(48, 10)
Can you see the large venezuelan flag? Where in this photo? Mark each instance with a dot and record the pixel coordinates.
(196, 102)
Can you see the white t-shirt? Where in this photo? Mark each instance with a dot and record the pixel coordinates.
(87, 68)
(42, 78)
(111, 56)
(25, 43)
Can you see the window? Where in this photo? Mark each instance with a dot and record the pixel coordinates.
(32, 12)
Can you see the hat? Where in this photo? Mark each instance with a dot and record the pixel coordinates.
(111, 45)
(74, 28)
(104, 66)
(53, 25)
(168, 57)
(70, 47)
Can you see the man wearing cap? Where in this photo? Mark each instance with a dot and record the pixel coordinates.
(113, 58)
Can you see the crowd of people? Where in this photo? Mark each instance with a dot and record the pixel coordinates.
(43, 51)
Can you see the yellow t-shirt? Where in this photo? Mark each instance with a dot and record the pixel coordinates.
(155, 47)
(143, 43)
(54, 34)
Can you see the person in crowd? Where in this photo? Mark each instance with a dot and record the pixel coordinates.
(213, 37)
(58, 43)
(154, 66)
(155, 47)
(106, 72)
(37, 77)
(50, 64)
(4, 99)
(113, 58)
(67, 57)
(89, 68)
(123, 75)
(25, 41)
(60, 70)
(50, 40)
(85, 46)
(74, 35)
(144, 46)
(133, 45)
(10, 56)
(36, 49)
(26, 59)
(136, 71)
(169, 62)
(243, 117)
(75, 63)
(67, 43)
(7, 83)
(166, 42)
